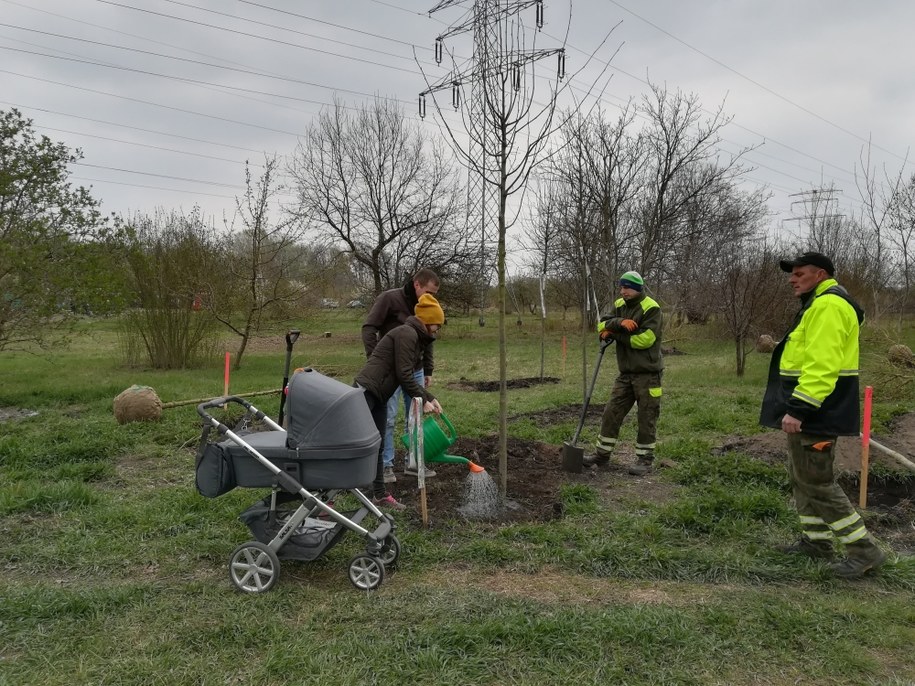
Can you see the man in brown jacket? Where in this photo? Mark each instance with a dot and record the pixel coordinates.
(391, 309)
(391, 366)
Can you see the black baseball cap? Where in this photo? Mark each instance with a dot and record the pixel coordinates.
(814, 259)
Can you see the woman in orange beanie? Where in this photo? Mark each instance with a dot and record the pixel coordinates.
(391, 365)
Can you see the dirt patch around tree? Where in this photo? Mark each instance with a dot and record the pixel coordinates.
(490, 386)
(536, 477)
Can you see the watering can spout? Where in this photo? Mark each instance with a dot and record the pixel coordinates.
(475, 468)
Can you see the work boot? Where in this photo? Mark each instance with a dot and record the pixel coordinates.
(870, 559)
(642, 466)
(804, 546)
(599, 460)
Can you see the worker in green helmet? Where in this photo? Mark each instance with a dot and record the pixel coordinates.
(635, 326)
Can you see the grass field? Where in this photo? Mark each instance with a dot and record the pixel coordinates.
(115, 568)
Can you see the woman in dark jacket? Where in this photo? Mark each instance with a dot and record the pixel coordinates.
(393, 360)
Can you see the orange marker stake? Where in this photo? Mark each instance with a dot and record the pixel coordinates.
(865, 446)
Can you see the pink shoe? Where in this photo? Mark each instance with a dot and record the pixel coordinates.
(388, 501)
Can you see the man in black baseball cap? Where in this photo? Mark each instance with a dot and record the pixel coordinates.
(814, 259)
(812, 395)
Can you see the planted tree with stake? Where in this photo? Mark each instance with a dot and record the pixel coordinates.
(506, 128)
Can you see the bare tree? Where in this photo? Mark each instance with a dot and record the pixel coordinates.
(903, 239)
(879, 198)
(742, 278)
(382, 190)
(683, 164)
(260, 273)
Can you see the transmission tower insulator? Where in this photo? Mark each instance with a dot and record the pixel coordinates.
(516, 77)
(561, 67)
(438, 50)
(422, 106)
(539, 14)
(456, 95)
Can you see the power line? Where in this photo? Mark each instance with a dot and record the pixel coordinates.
(147, 102)
(303, 17)
(127, 126)
(155, 188)
(161, 176)
(247, 34)
(757, 83)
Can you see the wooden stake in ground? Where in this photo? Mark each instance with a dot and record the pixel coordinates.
(417, 454)
(865, 446)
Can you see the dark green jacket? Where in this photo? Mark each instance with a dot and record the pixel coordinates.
(640, 351)
(391, 309)
(393, 360)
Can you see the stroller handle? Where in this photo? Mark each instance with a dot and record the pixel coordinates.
(219, 402)
(208, 419)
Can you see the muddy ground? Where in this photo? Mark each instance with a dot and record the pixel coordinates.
(535, 476)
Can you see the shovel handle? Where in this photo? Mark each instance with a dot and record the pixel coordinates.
(584, 408)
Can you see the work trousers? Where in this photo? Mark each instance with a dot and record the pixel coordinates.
(630, 389)
(825, 511)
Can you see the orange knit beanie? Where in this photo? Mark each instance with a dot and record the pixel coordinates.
(428, 310)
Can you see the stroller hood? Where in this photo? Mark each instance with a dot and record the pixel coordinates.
(326, 413)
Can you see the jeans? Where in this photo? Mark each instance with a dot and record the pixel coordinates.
(392, 410)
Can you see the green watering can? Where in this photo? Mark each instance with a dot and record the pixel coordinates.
(437, 440)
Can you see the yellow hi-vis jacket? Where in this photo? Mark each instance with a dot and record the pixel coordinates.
(813, 375)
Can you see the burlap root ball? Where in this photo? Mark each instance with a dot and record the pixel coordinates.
(901, 355)
(765, 344)
(137, 404)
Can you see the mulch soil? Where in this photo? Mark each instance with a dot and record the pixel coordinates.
(536, 477)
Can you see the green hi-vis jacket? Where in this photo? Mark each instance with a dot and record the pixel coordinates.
(640, 351)
(813, 375)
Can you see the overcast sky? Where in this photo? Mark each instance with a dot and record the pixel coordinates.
(168, 99)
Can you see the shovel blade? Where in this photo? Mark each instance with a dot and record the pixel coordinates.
(572, 457)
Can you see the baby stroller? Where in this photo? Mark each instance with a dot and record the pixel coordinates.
(330, 449)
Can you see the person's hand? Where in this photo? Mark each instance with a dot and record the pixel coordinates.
(427, 381)
(606, 335)
(629, 324)
(791, 425)
(432, 406)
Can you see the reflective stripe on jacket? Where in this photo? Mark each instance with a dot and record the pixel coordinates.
(813, 375)
(640, 351)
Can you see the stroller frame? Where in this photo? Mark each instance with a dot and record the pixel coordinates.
(254, 566)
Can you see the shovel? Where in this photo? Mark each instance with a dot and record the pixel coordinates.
(571, 454)
(291, 338)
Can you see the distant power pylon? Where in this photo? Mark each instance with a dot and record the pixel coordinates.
(819, 205)
(486, 19)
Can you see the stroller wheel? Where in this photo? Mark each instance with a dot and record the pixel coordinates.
(253, 567)
(366, 572)
(390, 551)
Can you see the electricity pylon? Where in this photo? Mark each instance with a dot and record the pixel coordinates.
(486, 20)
